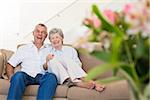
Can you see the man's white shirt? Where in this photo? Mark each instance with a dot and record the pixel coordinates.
(30, 58)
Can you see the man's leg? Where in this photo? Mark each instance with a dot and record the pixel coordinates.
(17, 86)
(48, 84)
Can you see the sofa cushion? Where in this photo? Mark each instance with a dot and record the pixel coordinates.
(31, 90)
(61, 91)
(4, 85)
(4, 97)
(113, 91)
(77, 93)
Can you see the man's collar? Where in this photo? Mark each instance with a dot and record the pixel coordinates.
(33, 45)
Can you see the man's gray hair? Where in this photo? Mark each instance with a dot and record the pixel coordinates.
(56, 30)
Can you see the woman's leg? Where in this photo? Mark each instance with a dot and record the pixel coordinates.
(54, 66)
(87, 85)
(99, 87)
(73, 69)
(90, 85)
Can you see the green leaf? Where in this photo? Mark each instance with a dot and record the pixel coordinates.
(102, 55)
(146, 92)
(98, 70)
(128, 70)
(128, 75)
(105, 24)
(92, 38)
(116, 45)
(109, 79)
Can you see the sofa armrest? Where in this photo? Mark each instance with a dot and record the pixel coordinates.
(6, 54)
(1, 63)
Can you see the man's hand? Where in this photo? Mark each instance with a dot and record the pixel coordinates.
(9, 78)
(49, 57)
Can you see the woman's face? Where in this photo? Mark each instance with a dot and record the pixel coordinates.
(56, 40)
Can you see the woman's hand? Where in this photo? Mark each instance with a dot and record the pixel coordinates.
(49, 57)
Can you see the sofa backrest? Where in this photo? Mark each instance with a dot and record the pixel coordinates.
(87, 60)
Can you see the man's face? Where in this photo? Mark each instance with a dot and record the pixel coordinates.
(40, 33)
(56, 40)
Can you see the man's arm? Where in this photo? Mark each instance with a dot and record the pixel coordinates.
(45, 66)
(9, 70)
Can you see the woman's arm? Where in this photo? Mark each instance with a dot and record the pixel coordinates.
(75, 57)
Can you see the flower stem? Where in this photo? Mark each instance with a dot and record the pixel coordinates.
(128, 53)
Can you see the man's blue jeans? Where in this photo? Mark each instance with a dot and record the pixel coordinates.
(47, 85)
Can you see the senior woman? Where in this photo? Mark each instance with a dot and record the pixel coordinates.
(63, 61)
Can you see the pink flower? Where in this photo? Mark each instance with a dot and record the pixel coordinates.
(110, 15)
(96, 21)
(87, 21)
(127, 8)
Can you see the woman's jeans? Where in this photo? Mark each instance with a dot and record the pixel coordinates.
(47, 85)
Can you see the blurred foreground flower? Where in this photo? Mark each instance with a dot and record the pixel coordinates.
(124, 38)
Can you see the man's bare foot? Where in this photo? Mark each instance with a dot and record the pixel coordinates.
(88, 85)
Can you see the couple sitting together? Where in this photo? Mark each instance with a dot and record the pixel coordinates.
(46, 65)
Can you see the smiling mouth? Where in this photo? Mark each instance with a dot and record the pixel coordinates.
(39, 37)
(56, 42)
